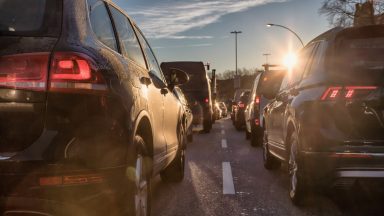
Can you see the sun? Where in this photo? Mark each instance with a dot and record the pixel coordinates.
(290, 60)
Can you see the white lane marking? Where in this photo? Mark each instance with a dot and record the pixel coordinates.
(224, 143)
(223, 132)
(228, 186)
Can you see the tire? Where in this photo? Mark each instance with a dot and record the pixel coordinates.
(270, 162)
(139, 190)
(190, 137)
(207, 126)
(175, 171)
(298, 186)
(238, 126)
(257, 137)
(247, 135)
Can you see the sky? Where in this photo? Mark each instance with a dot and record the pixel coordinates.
(199, 30)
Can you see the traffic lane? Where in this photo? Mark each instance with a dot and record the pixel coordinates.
(258, 191)
(200, 193)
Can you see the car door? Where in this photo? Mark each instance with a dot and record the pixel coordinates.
(171, 105)
(150, 85)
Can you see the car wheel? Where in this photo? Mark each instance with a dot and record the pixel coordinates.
(207, 125)
(257, 137)
(298, 186)
(140, 181)
(270, 162)
(247, 134)
(175, 171)
(238, 126)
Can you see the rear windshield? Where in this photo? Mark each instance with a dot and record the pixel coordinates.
(198, 79)
(360, 61)
(30, 17)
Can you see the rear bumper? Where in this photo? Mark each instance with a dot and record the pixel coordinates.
(328, 167)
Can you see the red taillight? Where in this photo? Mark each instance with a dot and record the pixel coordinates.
(24, 71)
(257, 100)
(348, 92)
(74, 72)
(206, 100)
(241, 105)
(257, 122)
(71, 180)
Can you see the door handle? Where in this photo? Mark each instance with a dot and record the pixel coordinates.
(145, 80)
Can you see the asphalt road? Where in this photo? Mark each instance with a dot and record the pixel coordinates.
(228, 178)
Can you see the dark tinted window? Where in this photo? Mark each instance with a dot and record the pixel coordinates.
(129, 43)
(30, 17)
(360, 60)
(101, 23)
(198, 80)
(151, 59)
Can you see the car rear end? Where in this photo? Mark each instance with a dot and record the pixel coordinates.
(345, 126)
(50, 101)
(241, 106)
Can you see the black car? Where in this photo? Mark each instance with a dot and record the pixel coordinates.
(327, 119)
(234, 102)
(254, 124)
(197, 90)
(239, 118)
(87, 117)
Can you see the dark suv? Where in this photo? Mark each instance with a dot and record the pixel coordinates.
(327, 120)
(239, 118)
(254, 124)
(197, 90)
(82, 111)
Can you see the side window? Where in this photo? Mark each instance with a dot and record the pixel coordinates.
(101, 23)
(129, 43)
(318, 59)
(151, 59)
(304, 61)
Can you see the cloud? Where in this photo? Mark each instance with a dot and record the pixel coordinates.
(184, 46)
(170, 18)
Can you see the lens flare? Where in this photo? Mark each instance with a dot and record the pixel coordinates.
(290, 60)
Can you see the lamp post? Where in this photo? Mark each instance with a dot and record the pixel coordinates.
(271, 24)
(236, 33)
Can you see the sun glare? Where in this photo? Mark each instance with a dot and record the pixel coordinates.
(290, 60)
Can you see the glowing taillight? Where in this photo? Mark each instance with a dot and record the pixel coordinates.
(257, 100)
(206, 100)
(348, 92)
(241, 105)
(24, 71)
(72, 71)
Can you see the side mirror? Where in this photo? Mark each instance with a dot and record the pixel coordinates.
(177, 77)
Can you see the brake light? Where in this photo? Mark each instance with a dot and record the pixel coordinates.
(24, 71)
(348, 92)
(206, 100)
(241, 105)
(71, 180)
(257, 121)
(72, 71)
(257, 100)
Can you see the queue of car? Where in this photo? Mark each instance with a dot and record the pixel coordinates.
(323, 117)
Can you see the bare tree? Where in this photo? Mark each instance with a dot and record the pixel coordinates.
(342, 12)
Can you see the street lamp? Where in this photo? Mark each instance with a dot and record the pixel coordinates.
(236, 32)
(271, 24)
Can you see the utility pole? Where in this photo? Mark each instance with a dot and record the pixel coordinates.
(237, 83)
(266, 57)
(236, 33)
